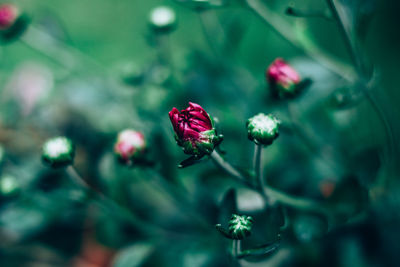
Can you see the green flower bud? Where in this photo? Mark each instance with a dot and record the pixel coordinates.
(240, 226)
(9, 186)
(58, 152)
(163, 19)
(263, 129)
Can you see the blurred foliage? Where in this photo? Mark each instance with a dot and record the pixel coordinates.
(91, 68)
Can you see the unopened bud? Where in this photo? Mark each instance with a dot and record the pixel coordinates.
(130, 146)
(240, 226)
(58, 152)
(163, 19)
(263, 129)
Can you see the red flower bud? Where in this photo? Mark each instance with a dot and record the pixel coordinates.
(283, 79)
(194, 130)
(130, 145)
(8, 16)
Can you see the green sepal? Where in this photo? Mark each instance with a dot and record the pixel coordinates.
(205, 144)
(291, 90)
(223, 231)
(190, 161)
(15, 30)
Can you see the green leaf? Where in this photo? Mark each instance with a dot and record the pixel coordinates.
(263, 250)
(189, 162)
(223, 231)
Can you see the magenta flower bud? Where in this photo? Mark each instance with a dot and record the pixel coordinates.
(194, 130)
(130, 146)
(283, 79)
(8, 15)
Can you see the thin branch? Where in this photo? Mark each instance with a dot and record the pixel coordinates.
(228, 168)
(274, 194)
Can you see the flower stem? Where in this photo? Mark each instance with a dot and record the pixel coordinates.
(228, 168)
(76, 178)
(345, 31)
(236, 249)
(273, 194)
(67, 56)
(258, 170)
(307, 46)
(257, 163)
(365, 87)
(179, 198)
(208, 21)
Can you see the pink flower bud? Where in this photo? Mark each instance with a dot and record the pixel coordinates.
(282, 78)
(8, 16)
(130, 146)
(194, 130)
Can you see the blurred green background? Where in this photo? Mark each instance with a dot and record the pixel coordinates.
(89, 69)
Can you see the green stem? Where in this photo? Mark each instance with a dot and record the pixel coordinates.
(208, 25)
(365, 87)
(228, 168)
(257, 164)
(67, 56)
(258, 170)
(283, 198)
(346, 36)
(179, 199)
(308, 47)
(236, 250)
(291, 11)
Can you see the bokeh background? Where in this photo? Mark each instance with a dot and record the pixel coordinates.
(88, 69)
